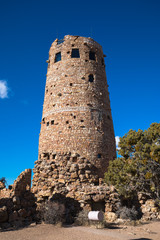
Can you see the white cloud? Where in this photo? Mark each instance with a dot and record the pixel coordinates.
(117, 141)
(3, 89)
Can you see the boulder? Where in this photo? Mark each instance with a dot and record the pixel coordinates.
(3, 214)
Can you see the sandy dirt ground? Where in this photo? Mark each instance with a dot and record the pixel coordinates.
(150, 231)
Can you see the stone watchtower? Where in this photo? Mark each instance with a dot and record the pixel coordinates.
(77, 138)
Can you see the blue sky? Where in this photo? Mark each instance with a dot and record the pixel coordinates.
(129, 32)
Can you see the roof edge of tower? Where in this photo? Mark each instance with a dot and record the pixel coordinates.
(75, 37)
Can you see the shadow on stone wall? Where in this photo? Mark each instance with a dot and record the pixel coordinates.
(58, 209)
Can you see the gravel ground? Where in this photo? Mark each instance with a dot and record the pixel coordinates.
(149, 231)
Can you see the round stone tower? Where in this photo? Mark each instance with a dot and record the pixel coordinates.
(77, 138)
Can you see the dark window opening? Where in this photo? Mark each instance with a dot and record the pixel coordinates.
(82, 126)
(90, 105)
(58, 57)
(67, 122)
(47, 123)
(103, 61)
(46, 155)
(46, 90)
(82, 120)
(59, 94)
(99, 155)
(108, 117)
(74, 117)
(52, 122)
(71, 84)
(54, 156)
(75, 53)
(91, 78)
(43, 119)
(92, 55)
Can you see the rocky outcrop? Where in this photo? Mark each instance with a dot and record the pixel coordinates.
(17, 204)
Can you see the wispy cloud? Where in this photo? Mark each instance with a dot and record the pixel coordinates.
(3, 89)
(117, 141)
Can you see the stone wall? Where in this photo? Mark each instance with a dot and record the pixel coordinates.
(17, 204)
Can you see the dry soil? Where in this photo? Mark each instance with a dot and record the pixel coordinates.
(150, 231)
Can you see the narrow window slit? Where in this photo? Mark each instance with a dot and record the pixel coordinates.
(57, 57)
(92, 55)
(90, 78)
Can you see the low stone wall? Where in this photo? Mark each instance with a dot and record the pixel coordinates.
(150, 210)
(17, 204)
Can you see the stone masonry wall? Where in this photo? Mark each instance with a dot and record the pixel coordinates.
(76, 111)
(17, 204)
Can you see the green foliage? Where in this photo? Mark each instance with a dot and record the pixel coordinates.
(138, 168)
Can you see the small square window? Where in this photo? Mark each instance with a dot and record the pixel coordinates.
(47, 123)
(99, 155)
(58, 57)
(92, 55)
(52, 122)
(75, 53)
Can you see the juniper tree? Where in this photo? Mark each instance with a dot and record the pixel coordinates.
(138, 168)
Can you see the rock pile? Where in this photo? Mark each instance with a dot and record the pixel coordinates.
(150, 210)
(17, 204)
